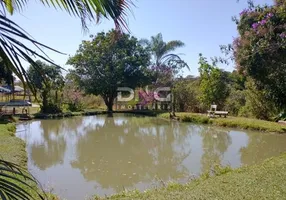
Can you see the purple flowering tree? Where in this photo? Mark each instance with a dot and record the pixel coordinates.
(260, 49)
(72, 96)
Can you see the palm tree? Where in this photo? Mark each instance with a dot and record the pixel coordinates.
(162, 51)
(167, 64)
(12, 37)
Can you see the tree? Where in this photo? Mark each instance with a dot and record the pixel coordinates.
(104, 64)
(13, 38)
(72, 95)
(260, 49)
(165, 65)
(46, 79)
(213, 84)
(163, 60)
(160, 50)
(236, 99)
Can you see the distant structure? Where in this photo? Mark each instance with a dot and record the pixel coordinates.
(12, 101)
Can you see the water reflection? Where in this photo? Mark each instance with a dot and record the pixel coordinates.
(125, 152)
(215, 144)
(82, 156)
(261, 147)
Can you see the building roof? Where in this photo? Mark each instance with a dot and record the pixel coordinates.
(4, 90)
(8, 89)
(15, 103)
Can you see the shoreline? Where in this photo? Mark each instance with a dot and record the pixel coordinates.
(13, 149)
(91, 113)
(259, 181)
(231, 122)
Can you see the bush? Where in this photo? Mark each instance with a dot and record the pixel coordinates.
(186, 93)
(188, 117)
(245, 111)
(281, 116)
(73, 107)
(235, 102)
(92, 102)
(257, 104)
(195, 118)
(51, 109)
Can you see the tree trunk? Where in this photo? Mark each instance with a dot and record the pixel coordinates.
(45, 101)
(108, 100)
(109, 106)
(56, 97)
(156, 105)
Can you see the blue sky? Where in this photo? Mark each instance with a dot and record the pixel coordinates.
(202, 25)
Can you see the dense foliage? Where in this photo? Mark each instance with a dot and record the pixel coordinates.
(186, 95)
(74, 99)
(6, 74)
(213, 84)
(260, 49)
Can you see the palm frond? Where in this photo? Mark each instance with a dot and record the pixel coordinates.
(173, 45)
(162, 49)
(144, 42)
(13, 50)
(12, 36)
(174, 61)
(18, 184)
(86, 10)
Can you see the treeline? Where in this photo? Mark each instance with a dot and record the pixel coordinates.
(231, 91)
(256, 88)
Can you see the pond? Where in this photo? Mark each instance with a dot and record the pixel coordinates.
(98, 155)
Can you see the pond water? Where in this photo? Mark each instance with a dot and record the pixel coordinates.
(98, 155)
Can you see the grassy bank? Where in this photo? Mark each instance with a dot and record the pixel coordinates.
(13, 149)
(263, 181)
(235, 122)
(92, 112)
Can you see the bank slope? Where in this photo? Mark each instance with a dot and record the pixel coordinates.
(12, 149)
(263, 181)
(233, 122)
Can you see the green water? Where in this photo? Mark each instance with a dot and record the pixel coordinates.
(82, 156)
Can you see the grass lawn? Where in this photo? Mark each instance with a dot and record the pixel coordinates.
(13, 149)
(263, 181)
(239, 122)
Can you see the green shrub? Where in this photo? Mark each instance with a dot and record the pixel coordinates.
(235, 101)
(195, 118)
(257, 104)
(92, 102)
(245, 111)
(51, 108)
(74, 107)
